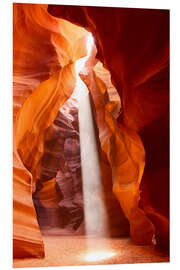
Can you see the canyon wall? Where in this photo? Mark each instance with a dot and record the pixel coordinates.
(133, 45)
(43, 79)
(60, 205)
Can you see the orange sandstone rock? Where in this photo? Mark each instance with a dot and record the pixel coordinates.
(133, 45)
(43, 79)
(124, 152)
(45, 49)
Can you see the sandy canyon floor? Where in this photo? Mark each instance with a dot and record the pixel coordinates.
(65, 250)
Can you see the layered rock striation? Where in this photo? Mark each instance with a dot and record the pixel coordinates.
(44, 78)
(61, 159)
(136, 52)
(133, 144)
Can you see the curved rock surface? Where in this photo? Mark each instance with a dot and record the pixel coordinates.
(44, 78)
(61, 159)
(136, 54)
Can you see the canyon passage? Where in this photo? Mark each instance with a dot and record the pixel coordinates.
(90, 135)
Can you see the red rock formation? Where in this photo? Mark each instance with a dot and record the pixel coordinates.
(106, 104)
(40, 88)
(136, 54)
(126, 164)
(61, 159)
(46, 199)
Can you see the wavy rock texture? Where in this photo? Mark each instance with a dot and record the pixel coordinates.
(43, 76)
(126, 165)
(105, 103)
(61, 159)
(136, 52)
(46, 199)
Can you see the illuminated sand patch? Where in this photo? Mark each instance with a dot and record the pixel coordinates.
(98, 256)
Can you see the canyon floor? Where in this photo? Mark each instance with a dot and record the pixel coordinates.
(62, 249)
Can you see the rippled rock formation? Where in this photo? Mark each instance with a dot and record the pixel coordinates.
(46, 199)
(61, 159)
(137, 57)
(44, 78)
(133, 144)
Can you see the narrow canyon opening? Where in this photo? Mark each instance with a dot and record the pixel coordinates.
(71, 198)
(89, 129)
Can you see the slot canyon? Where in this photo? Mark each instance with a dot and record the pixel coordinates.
(90, 135)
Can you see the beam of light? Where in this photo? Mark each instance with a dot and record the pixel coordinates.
(95, 212)
(81, 88)
(96, 221)
(98, 256)
(80, 64)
